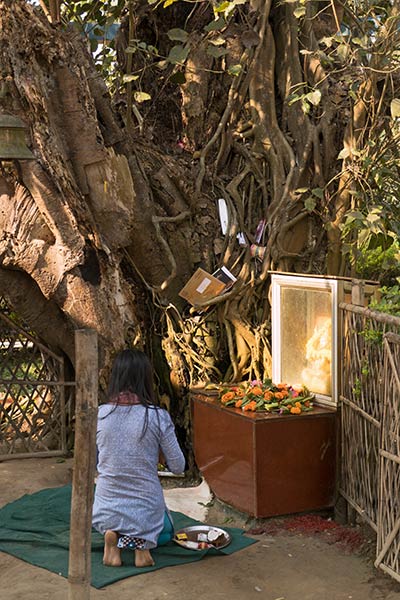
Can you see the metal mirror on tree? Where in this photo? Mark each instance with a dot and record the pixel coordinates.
(12, 139)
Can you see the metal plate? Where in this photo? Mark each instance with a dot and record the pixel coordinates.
(193, 533)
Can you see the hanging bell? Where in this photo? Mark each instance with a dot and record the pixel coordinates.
(12, 139)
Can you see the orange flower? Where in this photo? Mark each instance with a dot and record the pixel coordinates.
(257, 391)
(307, 403)
(238, 403)
(268, 395)
(295, 410)
(240, 393)
(250, 406)
(298, 404)
(228, 396)
(279, 395)
(281, 386)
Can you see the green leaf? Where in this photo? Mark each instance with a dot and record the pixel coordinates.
(215, 25)
(141, 97)
(342, 51)
(179, 35)
(305, 107)
(152, 49)
(395, 108)
(93, 44)
(178, 77)
(355, 214)
(216, 52)
(222, 7)
(235, 70)
(310, 203)
(314, 97)
(161, 64)
(299, 12)
(218, 41)
(327, 41)
(302, 190)
(318, 192)
(372, 217)
(128, 78)
(168, 3)
(178, 54)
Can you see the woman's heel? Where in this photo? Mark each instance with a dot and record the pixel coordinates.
(143, 558)
(112, 554)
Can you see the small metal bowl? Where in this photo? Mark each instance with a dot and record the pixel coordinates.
(195, 531)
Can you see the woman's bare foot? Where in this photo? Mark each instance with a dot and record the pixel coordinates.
(112, 554)
(143, 558)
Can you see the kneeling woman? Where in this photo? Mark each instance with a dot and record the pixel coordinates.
(129, 507)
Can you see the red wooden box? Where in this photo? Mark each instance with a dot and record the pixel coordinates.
(266, 465)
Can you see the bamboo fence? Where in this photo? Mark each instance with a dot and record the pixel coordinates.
(370, 421)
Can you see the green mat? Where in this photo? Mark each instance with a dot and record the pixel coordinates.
(35, 528)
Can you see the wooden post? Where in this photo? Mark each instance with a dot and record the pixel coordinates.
(86, 368)
(358, 292)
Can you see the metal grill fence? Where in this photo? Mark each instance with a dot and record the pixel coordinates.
(34, 396)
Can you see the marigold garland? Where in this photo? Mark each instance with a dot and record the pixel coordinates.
(266, 396)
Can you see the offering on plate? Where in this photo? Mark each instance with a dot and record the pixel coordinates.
(202, 537)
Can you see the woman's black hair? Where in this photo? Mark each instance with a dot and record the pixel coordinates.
(132, 372)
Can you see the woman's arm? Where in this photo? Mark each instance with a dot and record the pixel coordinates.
(170, 447)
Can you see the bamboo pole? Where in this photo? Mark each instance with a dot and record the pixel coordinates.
(86, 362)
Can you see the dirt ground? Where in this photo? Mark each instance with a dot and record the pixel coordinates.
(287, 563)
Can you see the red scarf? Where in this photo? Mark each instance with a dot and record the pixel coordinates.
(126, 399)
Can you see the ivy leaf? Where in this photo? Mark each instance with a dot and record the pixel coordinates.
(299, 12)
(222, 7)
(215, 25)
(178, 77)
(314, 97)
(342, 52)
(178, 54)
(216, 52)
(327, 41)
(395, 108)
(310, 203)
(128, 78)
(141, 96)
(235, 70)
(179, 35)
(93, 45)
(318, 192)
(305, 107)
(218, 41)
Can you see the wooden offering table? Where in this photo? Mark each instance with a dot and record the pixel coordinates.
(266, 464)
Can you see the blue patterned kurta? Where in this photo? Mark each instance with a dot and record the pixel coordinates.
(129, 498)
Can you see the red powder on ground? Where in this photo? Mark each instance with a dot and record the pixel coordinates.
(348, 538)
